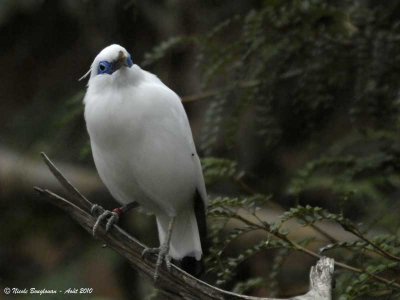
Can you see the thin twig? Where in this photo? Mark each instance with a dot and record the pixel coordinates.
(72, 191)
(347, 267)
(250, 191)
(242, 84)
(266, 227)
(211, 93)
(329, 237)
(378, 249)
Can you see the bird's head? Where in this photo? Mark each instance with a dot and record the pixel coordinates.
(110, 60)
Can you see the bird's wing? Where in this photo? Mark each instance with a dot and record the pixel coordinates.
(164, 158)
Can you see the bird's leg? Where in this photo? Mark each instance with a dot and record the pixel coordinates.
(112, 217)
(162, 251)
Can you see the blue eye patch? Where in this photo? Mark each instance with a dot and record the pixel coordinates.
(105, 67)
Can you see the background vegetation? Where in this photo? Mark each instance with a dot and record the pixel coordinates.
(294, 106)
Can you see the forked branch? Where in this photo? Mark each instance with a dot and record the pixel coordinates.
(173, 284)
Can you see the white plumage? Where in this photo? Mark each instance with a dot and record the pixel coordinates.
(143, 147)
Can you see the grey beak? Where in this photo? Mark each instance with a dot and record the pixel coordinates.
(121, 60)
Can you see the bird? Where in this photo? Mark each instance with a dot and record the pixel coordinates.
(144, 152)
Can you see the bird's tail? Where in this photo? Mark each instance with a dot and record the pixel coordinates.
(188, 233)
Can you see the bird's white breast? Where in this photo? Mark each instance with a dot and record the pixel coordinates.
(142, 144)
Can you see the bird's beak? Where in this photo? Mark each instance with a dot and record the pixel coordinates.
(121, 60)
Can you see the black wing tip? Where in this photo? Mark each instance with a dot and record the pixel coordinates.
(192, 266)
(200, 212)
(189, 263)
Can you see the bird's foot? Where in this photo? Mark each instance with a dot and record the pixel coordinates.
(112, 217)
(163, 255)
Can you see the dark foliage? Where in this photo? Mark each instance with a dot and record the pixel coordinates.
(318, 82)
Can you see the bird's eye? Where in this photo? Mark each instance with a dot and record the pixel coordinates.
(105, 68)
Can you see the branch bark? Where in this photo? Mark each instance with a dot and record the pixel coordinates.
(173, 284)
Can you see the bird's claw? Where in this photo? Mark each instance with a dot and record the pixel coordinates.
(110, 216)
(96, 209)
(163, 255)
(147, 251)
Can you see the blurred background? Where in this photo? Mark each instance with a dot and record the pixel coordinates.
(294, 107)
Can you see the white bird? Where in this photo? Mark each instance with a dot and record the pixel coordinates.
(144, 152)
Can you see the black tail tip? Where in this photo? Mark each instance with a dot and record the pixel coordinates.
(192, 266)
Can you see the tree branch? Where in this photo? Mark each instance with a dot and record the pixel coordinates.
(173, 284)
